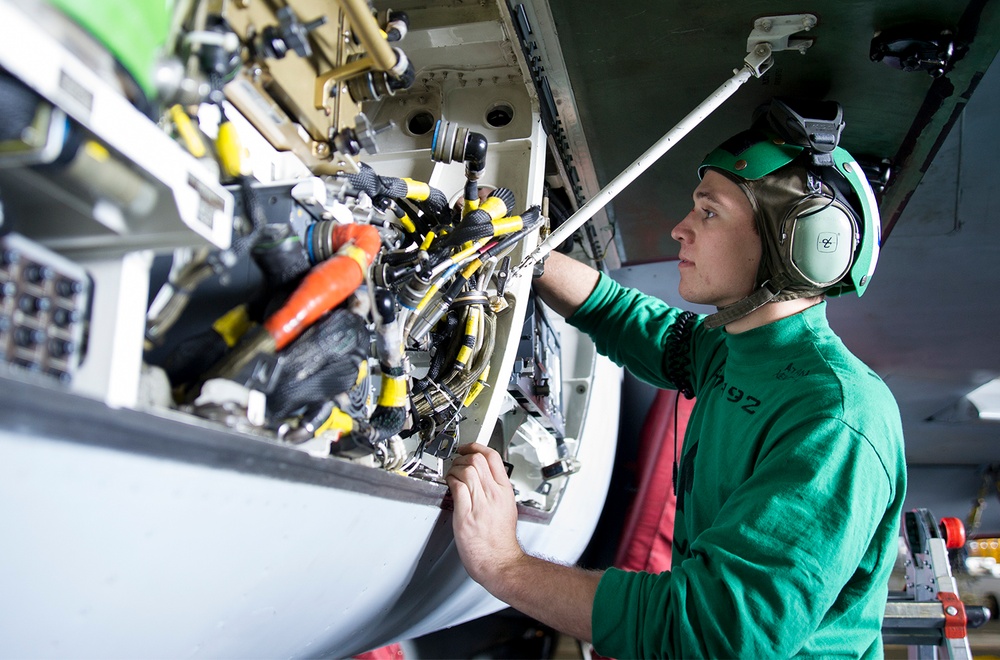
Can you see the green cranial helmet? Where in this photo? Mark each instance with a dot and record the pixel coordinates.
(815, 210)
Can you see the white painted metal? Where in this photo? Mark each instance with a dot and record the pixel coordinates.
(192, 208)
(176, 539)
(116, 554)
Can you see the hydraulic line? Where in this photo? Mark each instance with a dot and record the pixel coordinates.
(325, 287)
(325, 363)
(483, 221)
(175, 294)
(390, 413)
(376, 186)
(188, 358)
(328, 284)
(438, 396)
(428, 319)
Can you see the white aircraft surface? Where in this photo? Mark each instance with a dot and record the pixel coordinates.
(264, 265)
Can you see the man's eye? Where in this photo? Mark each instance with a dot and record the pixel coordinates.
(708, 214)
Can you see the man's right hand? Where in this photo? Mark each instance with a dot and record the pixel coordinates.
(566, 283)
(485, 514)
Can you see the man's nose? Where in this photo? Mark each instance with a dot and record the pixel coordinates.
(680, 230)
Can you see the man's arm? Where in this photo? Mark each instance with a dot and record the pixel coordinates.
(485, 520)
(566, 283)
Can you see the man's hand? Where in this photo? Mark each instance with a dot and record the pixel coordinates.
(485, 514)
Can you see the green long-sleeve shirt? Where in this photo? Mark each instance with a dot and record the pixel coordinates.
(789, 497)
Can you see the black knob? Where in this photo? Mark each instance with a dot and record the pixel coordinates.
(63, 317)
(68, 288)
(37, 273)
(28, 337)
(60, 347)
(33, 304)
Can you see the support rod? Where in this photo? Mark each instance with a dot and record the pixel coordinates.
(640, 165)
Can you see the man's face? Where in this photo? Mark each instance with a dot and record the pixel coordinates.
(720, 248)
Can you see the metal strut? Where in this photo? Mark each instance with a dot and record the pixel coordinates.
(761, 46)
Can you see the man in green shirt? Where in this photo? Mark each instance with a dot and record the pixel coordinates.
(791, 485)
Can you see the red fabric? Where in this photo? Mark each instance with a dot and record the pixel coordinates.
(647, 539)
(390, 652)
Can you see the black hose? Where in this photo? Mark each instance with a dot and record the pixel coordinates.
(323, 362)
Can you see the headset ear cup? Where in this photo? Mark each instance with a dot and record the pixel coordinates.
(820, 247)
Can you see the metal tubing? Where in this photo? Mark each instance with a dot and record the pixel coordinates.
(369, 33)
(640, 165)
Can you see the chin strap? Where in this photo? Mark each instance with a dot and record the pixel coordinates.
(767, 292)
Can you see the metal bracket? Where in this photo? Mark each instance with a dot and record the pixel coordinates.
(776, 32)
(759, 59)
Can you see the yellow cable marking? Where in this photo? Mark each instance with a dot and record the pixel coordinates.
(477, 387)
(393, 394)
(187, 131)
(471, 322)
(232, 325)
(417, 190)
(427, 297)
(507, 225)
(96, 151)
(362, 372)
(230, 149)
(495, 207)
(428, 239)
(407, 224)
(337, 421)
(357, 254)
(473, 266)
(461, 256)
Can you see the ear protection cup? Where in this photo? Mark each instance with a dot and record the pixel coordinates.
(818, 242)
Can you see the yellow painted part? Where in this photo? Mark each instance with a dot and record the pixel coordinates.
(232, 325)
(469, 206)
(477, 387)
(417, 190)
(507, 225)
(337, 421)
(230, 150)
(428, 239)
(393, 394)
(96, 151)
(362, 372)
(356, 253)
(495, 207)
(187, 131)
